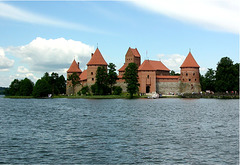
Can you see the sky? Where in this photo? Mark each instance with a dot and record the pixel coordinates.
(46, 36)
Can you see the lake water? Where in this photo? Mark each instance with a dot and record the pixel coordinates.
(81, 131)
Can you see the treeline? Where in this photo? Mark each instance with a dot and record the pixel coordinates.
(48, 84)
(2, 90)
(224, 78)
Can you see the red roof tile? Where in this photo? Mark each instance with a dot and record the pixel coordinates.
(97, 59)
(123, 67)
(135, 52)
(153, 65)
(189, 62)
(83, 76)
(74, 68)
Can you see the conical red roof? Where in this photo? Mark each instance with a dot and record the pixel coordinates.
(97, 59)
(74, 68)
(152, 65)
(189, 62)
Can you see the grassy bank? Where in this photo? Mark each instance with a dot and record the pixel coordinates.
(126, 96)
(210, 96)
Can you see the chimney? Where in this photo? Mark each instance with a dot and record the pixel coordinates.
(78, 64)
(92, 54)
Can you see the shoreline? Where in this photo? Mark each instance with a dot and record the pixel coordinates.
(184, 96)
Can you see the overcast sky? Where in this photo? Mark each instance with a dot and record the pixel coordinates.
(42, 36)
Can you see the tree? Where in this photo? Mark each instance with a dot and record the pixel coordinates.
(227, 75)
(112, 75)
(101, 87)
(41, 88)
(210, 79)
(61, 83)
(131, 78)
(74, 78)
(14, 88)
(53, 82)
(26, 87)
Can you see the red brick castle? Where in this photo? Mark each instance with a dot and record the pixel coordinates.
(154, 76)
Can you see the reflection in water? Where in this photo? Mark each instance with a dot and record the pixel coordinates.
(161, 131)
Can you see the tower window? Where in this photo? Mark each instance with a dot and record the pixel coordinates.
(195, 79)
(186, 74)
(189, 79)
(193, 74)
(92, 79)
(147, 76)
(91, 73)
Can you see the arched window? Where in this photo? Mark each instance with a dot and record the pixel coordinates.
(147, 76)
(92, 79)
(193, 74)
(91, 73)
(186, 74)
(195, 79)
(189, 79)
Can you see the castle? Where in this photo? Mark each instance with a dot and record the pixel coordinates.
(153, 76)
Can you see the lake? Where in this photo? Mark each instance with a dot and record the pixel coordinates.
(118, 131)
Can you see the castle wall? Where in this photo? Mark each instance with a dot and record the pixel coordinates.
(167, 87)
(122, 85)
(147, 81)
(189, 87)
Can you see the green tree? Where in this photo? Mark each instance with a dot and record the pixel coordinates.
(172, 73)
(226, 75)
(14, 88)
(210, 79)
(85, 90)
(112, 76)
(41, 88)
(26, 87)
(131, 78)
(74, 78)
(61, 83)
(101, 81)
(52, 80)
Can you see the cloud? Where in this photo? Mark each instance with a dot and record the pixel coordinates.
(173, 61)
(220, 15)
(22, 69)
(47, 55)
(14, 13)
(5, 63)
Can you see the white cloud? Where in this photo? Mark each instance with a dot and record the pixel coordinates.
(14, 13)
(22, 69)
(173, 61)
(220, 15)
(51, 55)
(5, 63)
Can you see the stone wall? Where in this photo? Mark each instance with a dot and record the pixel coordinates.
(122, 85)
(168, 87)
(190, 87)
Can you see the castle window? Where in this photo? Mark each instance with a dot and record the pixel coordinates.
(186, 74)
(92, 79)
(147, 76)
(189, 79)
(183, 79)
(195, 79)
(193, 74)
(91, 73)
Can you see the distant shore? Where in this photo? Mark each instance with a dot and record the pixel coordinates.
(206, 96)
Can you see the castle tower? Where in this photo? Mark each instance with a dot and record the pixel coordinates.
(190, 75)
(74, 68)
(132, 56)
(95, 61)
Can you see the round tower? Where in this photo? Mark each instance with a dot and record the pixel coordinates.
(190, 75)
(96, 61)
